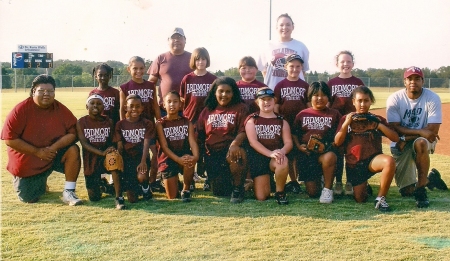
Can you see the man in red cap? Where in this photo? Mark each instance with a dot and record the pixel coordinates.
(415, 113)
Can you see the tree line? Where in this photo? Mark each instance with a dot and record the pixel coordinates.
(79, 73)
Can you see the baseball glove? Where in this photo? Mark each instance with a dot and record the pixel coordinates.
(315, 145)
(363, 122)
(113, 161)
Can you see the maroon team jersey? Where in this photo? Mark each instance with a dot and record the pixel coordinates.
(38, 127)
(292, 98)
(219, 127)
(248, 93)
(112, 102)
(360, 146)
(176, 135)
(132, 134)
(170, 69)
(99, 135)
(268, 131)
(341, 93)
(194, 90)
(146, 90)
(310, 121)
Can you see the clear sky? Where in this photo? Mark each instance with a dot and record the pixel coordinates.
(382, 34)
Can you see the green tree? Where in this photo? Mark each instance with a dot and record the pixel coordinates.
(68, 69)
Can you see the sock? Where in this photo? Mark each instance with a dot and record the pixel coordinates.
(70, 185)
(145, 190)
(378, 198)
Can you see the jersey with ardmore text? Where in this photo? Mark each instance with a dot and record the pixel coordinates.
(268, 131)
(146, 90)
(112, 102)
(341, 93)
(319, 122)
(248, 93)
(132, 135)
(292, 98)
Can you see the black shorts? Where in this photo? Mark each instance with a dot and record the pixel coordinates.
(128, 178)
(258, 164)
(94, 180)
(359, 173)
(219, 174)
(308, 167)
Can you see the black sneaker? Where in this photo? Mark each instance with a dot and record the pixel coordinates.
(186, 196)
(382, 205)
(206, 186)
(157, 186)
(435, 181)
(293, 186)
(120, 203)
(420, 194)
(147, 193)
(237, 196)
(281, 199)
(369, 190)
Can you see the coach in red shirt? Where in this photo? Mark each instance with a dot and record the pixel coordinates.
(40, 133)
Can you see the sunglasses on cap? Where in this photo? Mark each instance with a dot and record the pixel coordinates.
(293, 57)
(265, 92)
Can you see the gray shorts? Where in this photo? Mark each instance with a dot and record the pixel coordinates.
(406, 170)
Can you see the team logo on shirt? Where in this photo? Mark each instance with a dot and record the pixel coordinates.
(97, 135)
(176, 133)
(317, 123)
(278, 61)
(343, 90)
(292, 93)
(109, 103)
(220, 120)
(198, 90)
(133, 136)
(411, 118)
(248, 93)
(145, 94)
(267, 132)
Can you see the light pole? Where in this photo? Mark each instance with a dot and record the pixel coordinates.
(270, 19)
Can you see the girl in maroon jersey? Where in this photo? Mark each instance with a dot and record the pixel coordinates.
(134, 135)
(193, 91)
(146, 90)
(363, 152)
(178, 149)
(341, 88)
(95, 132)
(322, 122)
(270, 140)
(103, 74)
(220, 129)
(248, 85)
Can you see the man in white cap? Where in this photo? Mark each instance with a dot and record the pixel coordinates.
(415, 113)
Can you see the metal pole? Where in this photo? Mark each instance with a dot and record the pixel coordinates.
(72, 83)
(270, 19)
(369, 83)
(15, 80)
(389, 89)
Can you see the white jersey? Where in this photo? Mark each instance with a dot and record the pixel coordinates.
(273, 60)
(414, 114)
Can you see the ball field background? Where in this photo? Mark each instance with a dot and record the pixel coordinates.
(210, 228)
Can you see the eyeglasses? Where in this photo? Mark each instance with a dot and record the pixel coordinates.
(265, 92)
(41, 92)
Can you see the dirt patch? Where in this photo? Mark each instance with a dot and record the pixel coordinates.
(443, 146)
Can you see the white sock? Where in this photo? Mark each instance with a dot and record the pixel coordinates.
(70, 185)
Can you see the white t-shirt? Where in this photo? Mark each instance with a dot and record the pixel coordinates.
(272, 60)
(414, 114)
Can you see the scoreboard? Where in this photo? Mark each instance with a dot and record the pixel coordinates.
(32, 60)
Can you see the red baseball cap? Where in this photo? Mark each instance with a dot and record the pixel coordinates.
(413, 70)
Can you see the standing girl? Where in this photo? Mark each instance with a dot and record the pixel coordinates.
(146, 90)
(103, 74)
(270, 139)
(320, 122)
(220, 128)
(134, 135)
(248, 85)
(178, 149)
(95, 132)
(341, 88)
(363, 152)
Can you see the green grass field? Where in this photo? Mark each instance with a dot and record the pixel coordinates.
(210, 228)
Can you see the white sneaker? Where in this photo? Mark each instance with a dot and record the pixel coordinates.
(348, 189)
(69, 197)
(326, 196)
(197, 177)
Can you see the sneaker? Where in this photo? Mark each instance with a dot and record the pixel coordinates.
(382, 205)
(71, 198)
(348, 189)
(147, 193)
(293, 186)
(281, 199)
(106, 187)
(420, 194)
(369, 190)
(192, 186)
(186, 196)
(197, 177)
(435, 181)
(237, 196)
(206, 186)
(157, 186)
(120, 203)
(248, 184)
(338, 189)
(326, 196)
